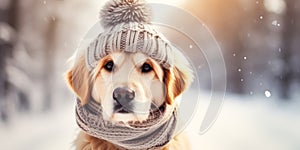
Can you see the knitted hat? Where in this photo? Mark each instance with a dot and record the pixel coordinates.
(127, 28)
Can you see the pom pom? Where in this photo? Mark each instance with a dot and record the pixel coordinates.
(123, 11)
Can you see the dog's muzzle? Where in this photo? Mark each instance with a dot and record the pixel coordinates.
(123, 97)
(125, 102)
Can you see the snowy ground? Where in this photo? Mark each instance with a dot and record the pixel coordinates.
(248, 123)
(251, 123)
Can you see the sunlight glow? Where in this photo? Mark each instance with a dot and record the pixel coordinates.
(275, 6)
(174, 2)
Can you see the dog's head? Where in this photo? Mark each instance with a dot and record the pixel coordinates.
(129, 85)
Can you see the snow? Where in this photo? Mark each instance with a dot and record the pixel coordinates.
(251, 122)
(275, 23)
(261, 17)
(40, 131)
(268, 94)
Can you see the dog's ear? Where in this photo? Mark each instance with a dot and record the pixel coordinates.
(178, 78)
(78, 78)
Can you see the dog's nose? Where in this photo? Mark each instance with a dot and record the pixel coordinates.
(123, 95)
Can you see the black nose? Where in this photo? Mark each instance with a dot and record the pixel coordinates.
(123, 95)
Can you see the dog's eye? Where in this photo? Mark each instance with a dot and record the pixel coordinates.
(146, 68)
(109, 66)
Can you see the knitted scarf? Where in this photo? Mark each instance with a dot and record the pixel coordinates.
(151, 134)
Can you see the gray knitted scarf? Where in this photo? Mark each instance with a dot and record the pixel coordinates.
(151, 134)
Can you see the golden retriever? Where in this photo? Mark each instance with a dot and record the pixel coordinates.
(133, 77)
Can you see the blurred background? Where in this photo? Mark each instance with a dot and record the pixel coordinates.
(259, 39)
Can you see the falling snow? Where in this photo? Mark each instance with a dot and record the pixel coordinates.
(260, 81)
(261, 17)
(268, 94)
(275, 23)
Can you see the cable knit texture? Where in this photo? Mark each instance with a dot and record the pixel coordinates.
(153, 134)
(127, 28)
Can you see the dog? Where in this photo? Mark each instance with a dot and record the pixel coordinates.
(136, 72)
(131, 88)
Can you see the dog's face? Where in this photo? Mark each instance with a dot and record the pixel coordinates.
(129, 85)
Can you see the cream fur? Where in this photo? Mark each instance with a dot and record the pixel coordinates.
(177, 79)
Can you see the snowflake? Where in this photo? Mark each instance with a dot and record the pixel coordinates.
(268, 94)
